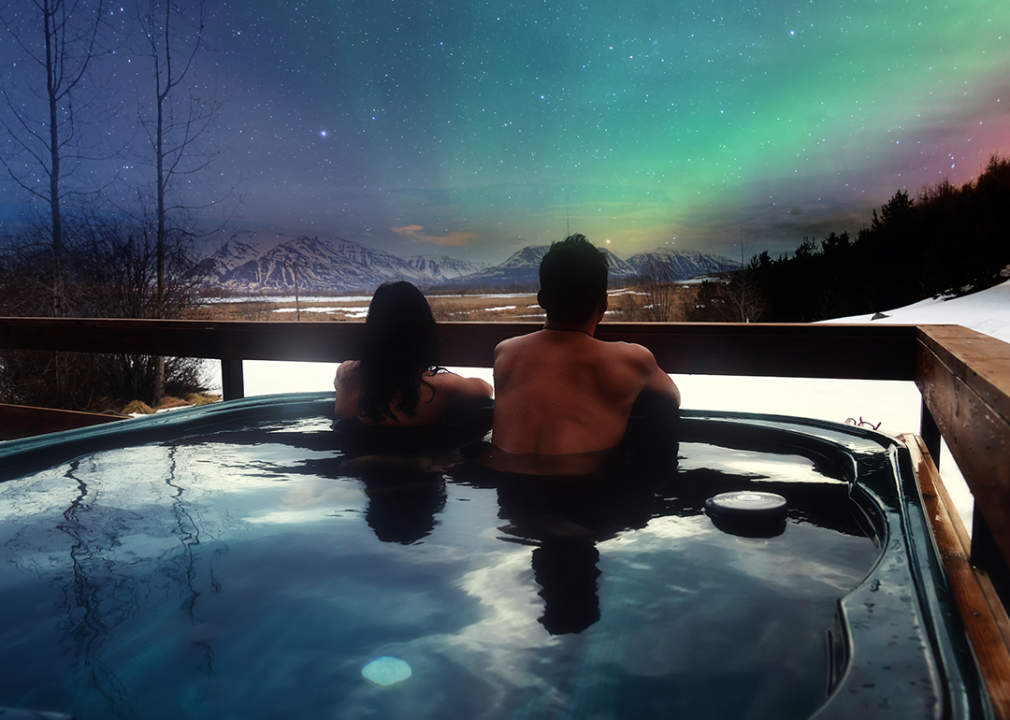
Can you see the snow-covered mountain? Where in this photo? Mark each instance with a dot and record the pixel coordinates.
(442, 267)
(674, 265)
(522, 267)
(519, 270)
(239, 249)
(250, 262)
(245, 263)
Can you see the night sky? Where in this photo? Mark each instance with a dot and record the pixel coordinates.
(472, 128)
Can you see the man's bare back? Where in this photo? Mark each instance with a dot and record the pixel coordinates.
(560, 391)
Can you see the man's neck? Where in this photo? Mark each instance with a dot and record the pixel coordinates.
(588, 327)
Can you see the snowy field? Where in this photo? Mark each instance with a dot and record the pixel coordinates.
(895, 405)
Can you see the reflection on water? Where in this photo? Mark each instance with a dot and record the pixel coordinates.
(255, 571)
(108, 538)
(88, 617)
(567, 576)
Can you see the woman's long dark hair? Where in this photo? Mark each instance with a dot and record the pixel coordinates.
(401, 344)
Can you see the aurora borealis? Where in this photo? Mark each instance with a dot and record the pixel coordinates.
(474, 128)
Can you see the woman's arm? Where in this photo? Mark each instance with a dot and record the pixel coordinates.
(464, 389)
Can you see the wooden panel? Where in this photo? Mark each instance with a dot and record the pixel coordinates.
(983, 616)
(329, 342)
(930, 433)
(884, 352)
(982, 361)
(232, 379)
(881, 352)
(965, 396)
(18, 421)
(473, 344)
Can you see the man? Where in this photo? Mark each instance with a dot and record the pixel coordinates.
(559, 391)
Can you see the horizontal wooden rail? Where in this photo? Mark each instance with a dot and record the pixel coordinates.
(879, 352)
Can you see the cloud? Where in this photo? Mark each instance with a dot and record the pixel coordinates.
(416, 233)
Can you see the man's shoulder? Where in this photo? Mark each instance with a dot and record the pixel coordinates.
(636, 358)
(518, 341)
(631, 351)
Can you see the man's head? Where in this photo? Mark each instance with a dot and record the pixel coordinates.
(573, 280)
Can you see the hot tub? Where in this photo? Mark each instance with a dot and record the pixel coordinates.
(232, 561)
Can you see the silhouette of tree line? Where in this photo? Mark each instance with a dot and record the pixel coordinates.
(947, 241)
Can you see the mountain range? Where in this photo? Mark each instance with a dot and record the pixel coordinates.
(246, 262)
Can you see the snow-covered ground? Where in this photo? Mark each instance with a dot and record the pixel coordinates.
(987, 311)
(895, 405)
(358, 313)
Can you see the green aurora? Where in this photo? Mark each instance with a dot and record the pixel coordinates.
(475, 128)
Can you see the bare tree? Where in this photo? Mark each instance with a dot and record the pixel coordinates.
(745, 297)
(172, 39)
(48, 99)
(736, 297)
(662, 294)
(175, 119)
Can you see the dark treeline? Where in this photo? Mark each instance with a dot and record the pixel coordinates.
(947, 241)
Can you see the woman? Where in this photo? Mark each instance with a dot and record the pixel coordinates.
(398, 382)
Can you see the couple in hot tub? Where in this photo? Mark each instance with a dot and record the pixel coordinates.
(559, 393)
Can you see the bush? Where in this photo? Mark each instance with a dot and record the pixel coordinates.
(109, 271)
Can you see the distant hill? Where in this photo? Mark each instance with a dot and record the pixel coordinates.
(248, 262)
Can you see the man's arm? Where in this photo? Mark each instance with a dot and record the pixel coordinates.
(662, 385)
(657, 383)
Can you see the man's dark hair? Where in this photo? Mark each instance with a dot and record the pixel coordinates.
(573, 280)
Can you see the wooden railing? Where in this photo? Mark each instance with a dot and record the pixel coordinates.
(963, 377)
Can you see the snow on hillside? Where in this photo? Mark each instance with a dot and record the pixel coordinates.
(987, 311)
